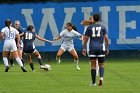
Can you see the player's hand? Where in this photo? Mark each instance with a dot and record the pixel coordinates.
(54, 39)
(50, 41)
(84, 52)
(18, 45)
(107, 52)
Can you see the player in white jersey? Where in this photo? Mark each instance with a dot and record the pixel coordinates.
(9, 33)
(86, 23)
(68, 35)
(20, 49)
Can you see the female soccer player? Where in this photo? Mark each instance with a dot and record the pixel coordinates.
(20, 49)
(68, 35)
(97, 49)
(28, 46)
(9, 33)
(86, 23)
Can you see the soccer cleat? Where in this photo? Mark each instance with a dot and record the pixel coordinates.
(23, 69)
(44, 67)
(100, 82)
(7, 68)
(77, 67)
(92, 85)
(33, 70)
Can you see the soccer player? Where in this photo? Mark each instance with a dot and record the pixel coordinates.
(97, 49)
(68, 35)
(20, 49)
(29, 48)
(9, 33)
(86, 23)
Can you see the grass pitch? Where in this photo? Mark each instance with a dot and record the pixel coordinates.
(121, 76)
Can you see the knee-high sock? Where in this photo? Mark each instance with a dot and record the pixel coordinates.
(19, 61)
(32, 66)
(40, 61)
(93, 76)
(11, 61)
(101, 72)
(76, 62)
(5, 60)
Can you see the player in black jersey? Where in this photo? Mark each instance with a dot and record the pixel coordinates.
(29, 47)
(97, 49)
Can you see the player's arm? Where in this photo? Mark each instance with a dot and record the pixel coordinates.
(1, 35)
(85, 40)
(43, 39)
(57, 38)
(18, 40)
(107, 43)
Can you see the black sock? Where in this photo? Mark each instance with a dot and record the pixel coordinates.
(93, 75)
(32, 66)
(11, 61)
(40, 61)
(101, 69)
(22, 61)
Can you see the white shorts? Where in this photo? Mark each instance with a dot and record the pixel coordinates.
(67, 47)
(9, 46)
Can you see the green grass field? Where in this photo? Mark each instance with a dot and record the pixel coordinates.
(121, 76)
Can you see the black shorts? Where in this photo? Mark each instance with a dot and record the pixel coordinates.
(29, 50)
(97, 54)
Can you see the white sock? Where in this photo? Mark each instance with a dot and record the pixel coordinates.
(58, 60)
(76, 62)
(97, 67)
(5, 61)
(19, 61)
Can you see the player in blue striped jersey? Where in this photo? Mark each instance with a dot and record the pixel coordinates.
(29, 47)
(97, 49)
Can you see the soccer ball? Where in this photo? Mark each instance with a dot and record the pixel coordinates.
(48, 67)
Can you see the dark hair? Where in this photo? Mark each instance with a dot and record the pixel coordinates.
(73, 26)
(96, 17)
(8, 23)
(30, 27)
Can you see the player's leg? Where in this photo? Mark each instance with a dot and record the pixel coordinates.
(101, 69)
(15, 55)
(37, 54)
(5, 60)
(97, 67)
(28, 55)
(59, 54)
(93, 70)
(76, 59)
(11, 60)
(20, 55)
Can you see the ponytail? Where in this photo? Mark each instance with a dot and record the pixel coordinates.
(8, 23)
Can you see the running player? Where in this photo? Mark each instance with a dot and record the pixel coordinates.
(97, 50)
(20, 49)
(68, 35)
(9, 33)
(28, 46)
(86, 23)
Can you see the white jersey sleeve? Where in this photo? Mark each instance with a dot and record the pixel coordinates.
(62, 33)
(76, 33)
